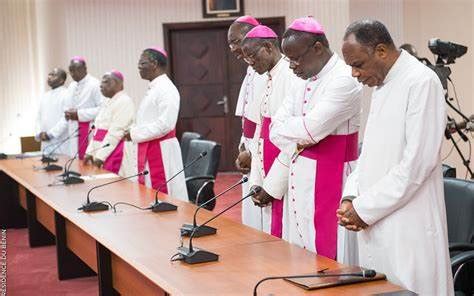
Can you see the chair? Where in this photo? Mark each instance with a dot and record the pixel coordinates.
(186, 138)
(459, 198)
(449, 171)
(29, 144)
(200, 177)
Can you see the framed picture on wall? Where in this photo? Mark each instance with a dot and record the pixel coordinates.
(222, 8)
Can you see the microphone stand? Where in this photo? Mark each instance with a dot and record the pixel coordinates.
(68, 180)
(46, 159)
(187, 229)
(192, 255)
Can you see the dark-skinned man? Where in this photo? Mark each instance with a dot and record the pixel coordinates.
(262, 52)
(50, 113)
(247, 108)
(394, 198)
(81, 106)
(154, 129)
(115, 118)
(317, 131)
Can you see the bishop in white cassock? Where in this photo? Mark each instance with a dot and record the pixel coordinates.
(395, 196)
(317, 131)
(80, 107)
(261, 51)
(154, 128)
(114, 119)
(248, 105)
(50, 112)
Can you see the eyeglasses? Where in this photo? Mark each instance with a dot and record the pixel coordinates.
(249, 59)
(300, 58)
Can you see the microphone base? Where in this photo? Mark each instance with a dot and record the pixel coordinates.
(197, 255)
(53, 167)
(187, 229)
(46, 159)
(69, 173)
(94, 207)
(72, 180)
(163, 207)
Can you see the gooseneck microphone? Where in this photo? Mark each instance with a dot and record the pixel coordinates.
(187, 229)
(161, 206)
(368, 273)
(48, 159)
(101, 206)
(192, 255)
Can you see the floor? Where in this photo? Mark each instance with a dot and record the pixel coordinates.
(32, 271)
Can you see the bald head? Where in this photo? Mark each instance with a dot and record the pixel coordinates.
(235, 35)
(111, 84)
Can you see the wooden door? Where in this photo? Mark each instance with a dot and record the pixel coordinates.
(208, 78)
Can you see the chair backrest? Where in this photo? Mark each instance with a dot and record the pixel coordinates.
(29, 144)
(449, 171)
(186, 139)
(209, 164)
(459, 198)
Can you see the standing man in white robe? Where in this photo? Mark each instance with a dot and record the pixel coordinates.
(114, 119)
(81, 106)
(262, 52)
(50, 112)
(317, 131)
(247, 108)
(395, 196)
(155, 128)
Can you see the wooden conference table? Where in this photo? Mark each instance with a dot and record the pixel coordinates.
(130, 250)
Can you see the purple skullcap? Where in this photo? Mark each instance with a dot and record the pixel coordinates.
(261, 31)
(307, 24)
(159, 49)
(247, 19)
(117, 74)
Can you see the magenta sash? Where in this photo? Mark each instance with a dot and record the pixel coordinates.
(114, 160)
(248, 128)
(83, 141)
(331, 154)
(151, 151)
(270, 153)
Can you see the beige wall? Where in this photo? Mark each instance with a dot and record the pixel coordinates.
(39, 35)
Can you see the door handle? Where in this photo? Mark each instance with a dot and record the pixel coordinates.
(225, 102)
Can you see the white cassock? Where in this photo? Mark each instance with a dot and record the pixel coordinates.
(85, 97)
(278, 82)
(248, 106)
(323, 111)
(50, 112)
(115, 117)
(398, 182)
(154, 132)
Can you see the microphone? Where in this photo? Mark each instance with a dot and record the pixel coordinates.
(67, 179)
(161, 206)
(368, 273)
(192, 255)
(68, 163)
(187, 229)
(46, 158)
(101, 206)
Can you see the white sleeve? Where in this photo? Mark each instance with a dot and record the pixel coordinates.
(89, 114)
(276, 181)
(240, 101)
(277, 126)
(121, 120)
(340, 102)
(167, 106)
(38, 122)
(351, 187)
(424, 130)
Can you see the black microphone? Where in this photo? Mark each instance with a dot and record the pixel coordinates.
(76, 179)
(187, 229)
(369, 273)
(101, 206)
(192, 255)
(68, 163)
(47, 158)
(161, 206)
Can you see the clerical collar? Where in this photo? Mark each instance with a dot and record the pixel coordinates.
(275, 68)
(327, 68)
(157, 80)
(396, 67)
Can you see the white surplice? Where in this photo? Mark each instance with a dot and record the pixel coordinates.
(398, 182)
(85, 97)
(50, 112)
(156, 118)
(315, 111)
(248, 108)
(115, 115)
(278, 84)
